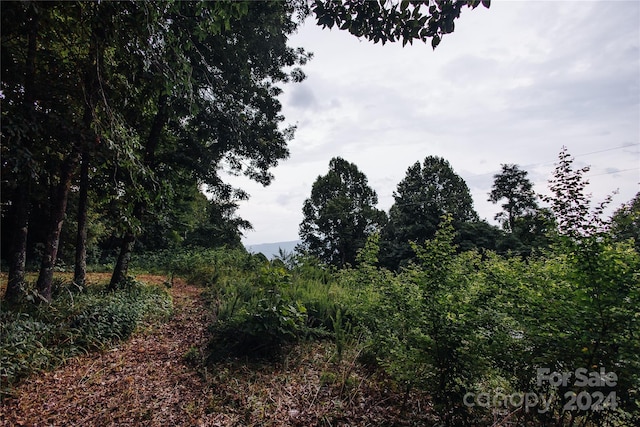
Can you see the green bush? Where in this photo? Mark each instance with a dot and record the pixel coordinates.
(461, 323)
(260, 329)
(450, 324)
(260, 306)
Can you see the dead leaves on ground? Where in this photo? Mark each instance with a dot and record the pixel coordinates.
(157, 378)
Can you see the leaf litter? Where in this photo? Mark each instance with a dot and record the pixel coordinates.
(159, 377)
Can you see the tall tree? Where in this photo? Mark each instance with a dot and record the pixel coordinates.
(513, 185)
(52, 78)
(527, 224)
(216, 107)
(80, 269)
(427, 192)
(20, 27)
(86, 54)
(340, 214)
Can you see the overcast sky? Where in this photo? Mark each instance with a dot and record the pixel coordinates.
(512, 84)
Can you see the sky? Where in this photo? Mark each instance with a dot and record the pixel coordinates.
(511, 85)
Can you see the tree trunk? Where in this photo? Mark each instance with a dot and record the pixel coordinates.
(122, 265)
(80, 271)
(92, 88)
(59, 207)
(19, 243)
(159, 121)
(18, 255)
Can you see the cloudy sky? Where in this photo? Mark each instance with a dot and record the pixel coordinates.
(512, 84)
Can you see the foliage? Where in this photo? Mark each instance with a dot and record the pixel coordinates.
(512, 184)
(451, 324)
(393, 21)
(155, 112)
(570, 203)
(460, 324)
(418, 321)
(528, 226)
(35, 337)
(159, 108)
(454, 324)
(625, 222)
(259, 306)
(425, 194)
(259, 327)
(339, 214)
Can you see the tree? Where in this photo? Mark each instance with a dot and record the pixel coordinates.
(526, 224)
(512, 184)
(51, 78)
(603, 277)
(220, 225)
(218, 108)
(191, 92)
(392, 21)
(625, 222)
(571, 204)
(21, 25)
(339, 215)
(427, 192)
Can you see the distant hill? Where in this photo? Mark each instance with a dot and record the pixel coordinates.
(270, 250)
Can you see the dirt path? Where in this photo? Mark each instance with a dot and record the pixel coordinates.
(144, 381)
(147, 381)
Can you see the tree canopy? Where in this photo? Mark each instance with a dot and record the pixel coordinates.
(114, 108)
(154, 109)
(513, 185)
(426, 193)
(340, 214)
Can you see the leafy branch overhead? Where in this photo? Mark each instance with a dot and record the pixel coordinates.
(389, 21)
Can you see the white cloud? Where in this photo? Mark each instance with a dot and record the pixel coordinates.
(511, 85)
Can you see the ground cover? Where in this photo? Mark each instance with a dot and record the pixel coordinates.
(159, 377)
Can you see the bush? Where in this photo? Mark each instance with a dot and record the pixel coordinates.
(450, 324)
(259, 330)
(460, 323)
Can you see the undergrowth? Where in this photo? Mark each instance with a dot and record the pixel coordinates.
(453, 326)
(36, 336)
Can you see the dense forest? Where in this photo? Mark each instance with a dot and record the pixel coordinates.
(120, 121)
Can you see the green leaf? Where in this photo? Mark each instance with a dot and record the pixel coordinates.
(435, 41)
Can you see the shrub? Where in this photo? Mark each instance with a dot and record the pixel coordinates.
(259, 330)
